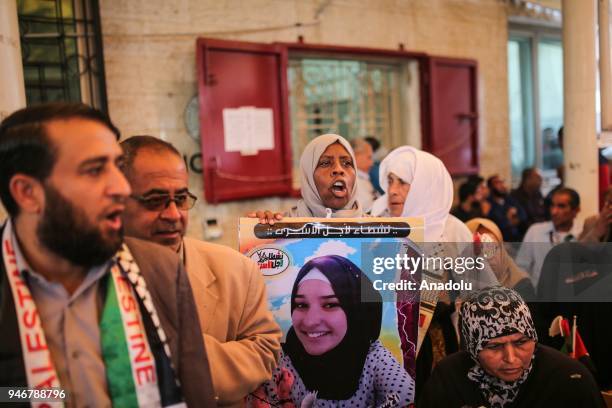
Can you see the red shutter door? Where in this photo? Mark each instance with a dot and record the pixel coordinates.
(453, 118)
(233, 75)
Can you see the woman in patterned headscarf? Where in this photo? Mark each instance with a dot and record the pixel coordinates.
(503, 365)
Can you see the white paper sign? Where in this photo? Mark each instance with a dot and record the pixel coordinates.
(248, 130)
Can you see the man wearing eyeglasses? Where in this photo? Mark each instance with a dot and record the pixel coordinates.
(240, 334)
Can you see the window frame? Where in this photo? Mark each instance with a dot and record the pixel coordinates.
(209, 109)
(534, 34)
(82, 25)
(400, 127)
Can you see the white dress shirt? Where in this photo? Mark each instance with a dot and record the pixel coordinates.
(539, 239)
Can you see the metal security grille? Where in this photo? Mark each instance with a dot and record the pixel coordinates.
(348, 97)
(62, 51)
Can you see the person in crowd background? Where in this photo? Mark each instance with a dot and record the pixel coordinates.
(503, 365)
(542, 236)
(471, 194)
(64, 264)
(241, 336)
(366, 194)
(482, 194)
(598, 228)
(576, 283)
(332, 348)
(505, 211)
(380, 152)
(506, 271)
(604, 177)
(560, 176)
(529, 197)
(552, 153)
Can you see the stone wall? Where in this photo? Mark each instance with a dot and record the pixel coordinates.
(149, 50)
(12, 96)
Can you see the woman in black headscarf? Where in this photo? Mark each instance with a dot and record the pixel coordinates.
(332, 348)
(503, 365)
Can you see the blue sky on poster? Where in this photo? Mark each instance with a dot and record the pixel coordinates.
(301, 251)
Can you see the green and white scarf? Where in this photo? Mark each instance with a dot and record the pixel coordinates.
(131, 370)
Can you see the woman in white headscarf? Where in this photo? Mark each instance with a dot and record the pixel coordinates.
(417, 184)
(328, 182)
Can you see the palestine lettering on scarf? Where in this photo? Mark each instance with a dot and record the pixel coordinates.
(41, 371)
(142, 359)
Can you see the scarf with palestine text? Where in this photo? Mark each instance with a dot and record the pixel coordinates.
(134, 346)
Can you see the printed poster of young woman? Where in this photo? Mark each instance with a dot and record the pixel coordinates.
(348, 335)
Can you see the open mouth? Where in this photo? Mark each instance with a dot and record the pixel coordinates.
(114, 219)
(339, 188)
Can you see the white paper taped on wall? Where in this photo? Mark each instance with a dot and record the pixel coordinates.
(248, 130)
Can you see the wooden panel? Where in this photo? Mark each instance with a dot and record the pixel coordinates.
(452, 128)
(233, 75)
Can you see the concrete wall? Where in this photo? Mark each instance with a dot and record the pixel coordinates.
(149, 49)
(12, 96)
